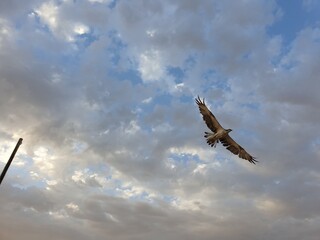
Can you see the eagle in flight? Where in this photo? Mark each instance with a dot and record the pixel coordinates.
(221, 134)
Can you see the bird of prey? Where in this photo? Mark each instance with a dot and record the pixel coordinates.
(219, 134)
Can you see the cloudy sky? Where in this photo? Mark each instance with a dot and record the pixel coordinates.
(102, 92)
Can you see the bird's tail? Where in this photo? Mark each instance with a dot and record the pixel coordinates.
(211, 139)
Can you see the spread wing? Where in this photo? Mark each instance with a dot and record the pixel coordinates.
(236, 149)
(207, 116)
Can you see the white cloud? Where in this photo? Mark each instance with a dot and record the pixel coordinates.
(73, 207)
(49, 13)
(88, 178)
(201, 168)
(81, 29)
(204, 154)
(100, 1)
(151, 66)
(147, 100)
(52, 15)
(132, 128)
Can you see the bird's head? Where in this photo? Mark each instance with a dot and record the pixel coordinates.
(229, 130)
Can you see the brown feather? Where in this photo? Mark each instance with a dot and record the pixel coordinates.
(236, 149)
(207, 116)
(226, 141)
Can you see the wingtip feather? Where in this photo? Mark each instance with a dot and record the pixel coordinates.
(253, 160)
(199, 101)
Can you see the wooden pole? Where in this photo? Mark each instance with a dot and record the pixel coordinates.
(10, 160)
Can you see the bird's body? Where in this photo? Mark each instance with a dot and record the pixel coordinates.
(213, 138)
(219, 134)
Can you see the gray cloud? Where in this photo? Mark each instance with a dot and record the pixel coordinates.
(113, 142)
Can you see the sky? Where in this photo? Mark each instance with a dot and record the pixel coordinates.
(102, 93)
